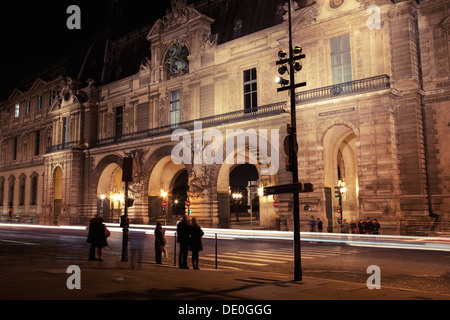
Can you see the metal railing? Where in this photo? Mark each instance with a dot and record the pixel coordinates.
(211, 121)
(376, 83)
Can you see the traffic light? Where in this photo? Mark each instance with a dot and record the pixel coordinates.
(307, 187)
(130, 202)
(337, 193)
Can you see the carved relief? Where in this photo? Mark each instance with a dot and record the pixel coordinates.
(200, 181)
(163, 110)
(441, 52)
(136, 188)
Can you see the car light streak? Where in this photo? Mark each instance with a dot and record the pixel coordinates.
(361, 240)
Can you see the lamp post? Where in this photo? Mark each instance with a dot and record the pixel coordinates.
(237, 198)
(292, 65)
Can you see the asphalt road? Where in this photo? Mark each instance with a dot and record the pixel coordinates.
(400, 268)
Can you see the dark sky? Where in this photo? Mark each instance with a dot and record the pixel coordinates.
(34, 33)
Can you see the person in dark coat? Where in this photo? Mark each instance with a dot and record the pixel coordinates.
(369, 226)
(97, 238)
(319, 225)
(183, 239)
(160, 242)
(361, 226)
(376, 226)
(195, 242)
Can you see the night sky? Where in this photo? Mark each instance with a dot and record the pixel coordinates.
(34, 34)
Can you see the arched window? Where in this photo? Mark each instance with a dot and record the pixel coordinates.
(2, 191)
(11, 181)
(22, 181)
(33, 188)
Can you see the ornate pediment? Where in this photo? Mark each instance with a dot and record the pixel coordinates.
(16, 93)
(68, 95)
(39, 83)
(181, 14)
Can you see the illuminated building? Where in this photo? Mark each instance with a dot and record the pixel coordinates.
(374, 113)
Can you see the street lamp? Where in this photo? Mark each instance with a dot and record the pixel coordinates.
(237, 198)
(292, 65)
(102, 197)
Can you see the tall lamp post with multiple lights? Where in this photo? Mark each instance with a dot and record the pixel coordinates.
(292, 64)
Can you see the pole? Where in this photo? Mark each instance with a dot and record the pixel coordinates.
(175, 250)
(215, 251)
(124, 223)
(293, 157)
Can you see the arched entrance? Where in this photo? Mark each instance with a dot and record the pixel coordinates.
(110, 193)
(167, 183)
(244, 199)
(57, 191)
(341, 169)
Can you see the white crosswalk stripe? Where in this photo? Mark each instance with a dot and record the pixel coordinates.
(262, 258)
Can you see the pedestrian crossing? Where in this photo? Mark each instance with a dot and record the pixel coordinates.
(261, 258)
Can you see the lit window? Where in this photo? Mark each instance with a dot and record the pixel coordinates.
(341, 65)
(17, 110)
(250, 89)
(175, 108)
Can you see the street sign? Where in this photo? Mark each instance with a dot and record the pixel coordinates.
(187, 203)
(289, 188)
(275, 197)
(164, 203)
(275, 204)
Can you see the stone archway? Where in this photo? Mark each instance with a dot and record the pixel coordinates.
(57, 191)
(341, 167)
(160, 187)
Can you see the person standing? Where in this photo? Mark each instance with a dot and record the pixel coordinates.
(361, 226)
(312, 224)
(90, 238)
(183, 240)
(195, 243)
(160, 242)
(319, 225)
(376, 226)
(369, 226)
(97, 237)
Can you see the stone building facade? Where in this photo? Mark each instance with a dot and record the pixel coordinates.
(374, 115)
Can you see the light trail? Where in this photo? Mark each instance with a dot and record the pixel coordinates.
(358, 240)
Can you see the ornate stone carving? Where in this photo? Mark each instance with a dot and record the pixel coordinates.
(179, 14)
(441, 52)
(209, 40)
(200, 181)
(136, 188)
(336, 3)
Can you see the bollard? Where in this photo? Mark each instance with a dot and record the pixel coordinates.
(215, 238)
(175, 250)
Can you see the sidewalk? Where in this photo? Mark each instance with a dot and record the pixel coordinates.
(45, 279)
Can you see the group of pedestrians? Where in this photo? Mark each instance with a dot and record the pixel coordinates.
(189, 236)
(364, 226)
